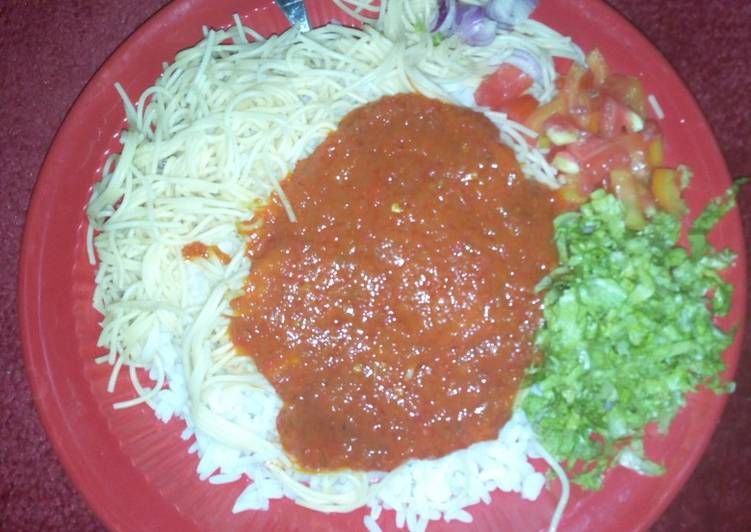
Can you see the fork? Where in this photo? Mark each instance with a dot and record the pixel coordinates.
(295, 12)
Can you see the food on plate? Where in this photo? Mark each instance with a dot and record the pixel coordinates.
(390, 327)
(330, 252)
(629, 330)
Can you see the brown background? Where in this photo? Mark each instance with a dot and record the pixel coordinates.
(49, 49)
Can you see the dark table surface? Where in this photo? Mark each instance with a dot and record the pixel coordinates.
(48, 51)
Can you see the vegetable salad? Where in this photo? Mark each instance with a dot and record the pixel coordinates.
(629, 330)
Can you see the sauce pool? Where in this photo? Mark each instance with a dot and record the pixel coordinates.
(395, 318)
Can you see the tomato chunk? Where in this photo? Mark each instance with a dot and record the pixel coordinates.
(655, 152)
(505, 84)
(520, 108)
(598, 157)
(537, 119)
(626, 90)
(625, 188)
(571, 90)
(571, 195)
(666, 190)
(598, 66)
(596, 133)
(636, 147)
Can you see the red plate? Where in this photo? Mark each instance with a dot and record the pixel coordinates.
(135, 471)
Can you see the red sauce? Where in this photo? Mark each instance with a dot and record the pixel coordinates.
(199, 250)
(395, 318)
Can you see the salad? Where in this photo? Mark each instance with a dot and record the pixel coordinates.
(630, 314)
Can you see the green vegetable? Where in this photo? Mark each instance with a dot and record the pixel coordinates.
(697, 235)
(627, 332)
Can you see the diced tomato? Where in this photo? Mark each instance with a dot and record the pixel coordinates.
(598, 157)
(636, 147)
(617, 147)
(625, 188)
(505, 84)
(617, 119)
(667, 192)
(537, 119)
(572, 86)
(520, 108)
(644, 193)
(598, 66)
(626, 90)
(576, 189)
(594, 122)
(586, 85)
(587, 119)
(586, 110)
(609, 125)
(655, 152)
(631, 142)
(571, 194)
(585, 100)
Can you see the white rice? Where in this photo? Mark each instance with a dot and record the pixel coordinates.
(418, 492)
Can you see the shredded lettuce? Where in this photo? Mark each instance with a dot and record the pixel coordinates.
(628, 330)
(719, 207)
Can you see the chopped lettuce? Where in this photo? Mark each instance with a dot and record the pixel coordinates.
(719, 207)
(628, 331)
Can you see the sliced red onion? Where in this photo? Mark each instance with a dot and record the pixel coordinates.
(508, 13)
(473, 26)
(526, 62)
(446, 15)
